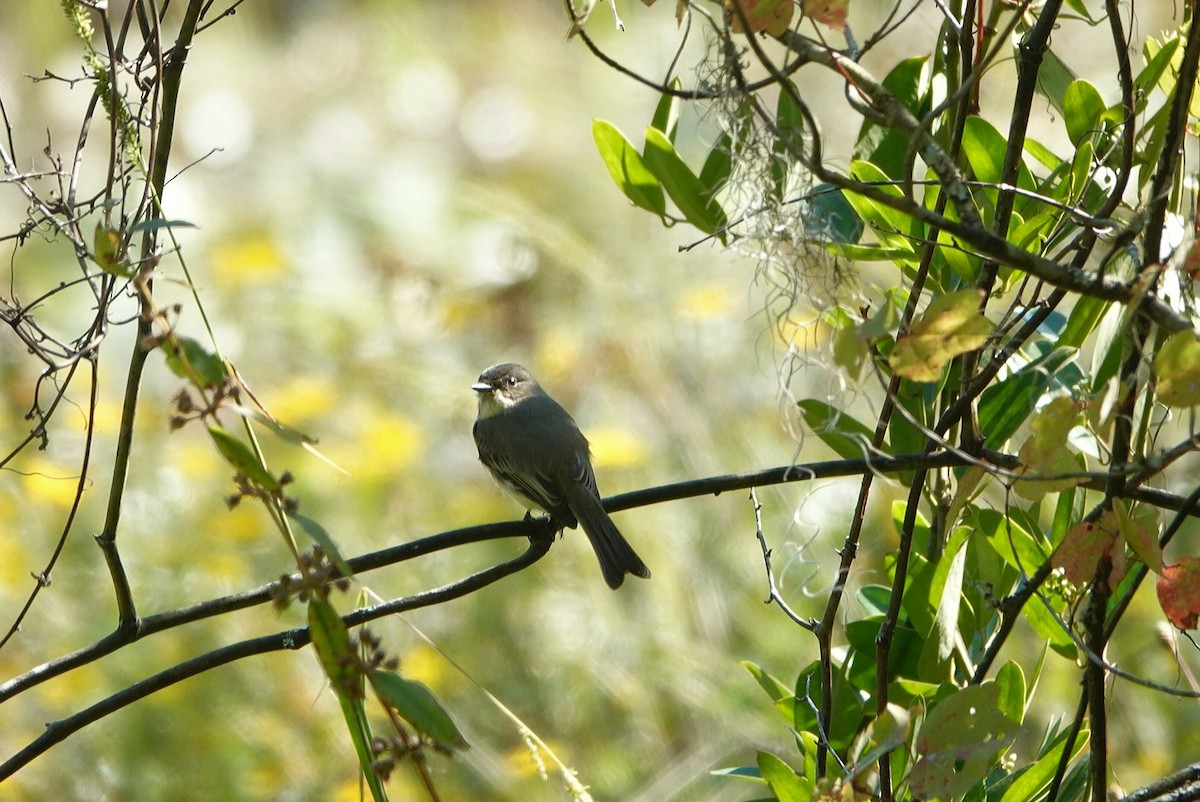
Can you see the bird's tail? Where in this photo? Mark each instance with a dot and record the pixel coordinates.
(617, 557)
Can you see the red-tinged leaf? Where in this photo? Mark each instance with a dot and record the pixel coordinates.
(952, 325)
(772, 16)
(1179, 592)
(827, 12)
(1085, 544)
(1177, 364)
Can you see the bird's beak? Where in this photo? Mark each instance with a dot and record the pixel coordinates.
(481, 387)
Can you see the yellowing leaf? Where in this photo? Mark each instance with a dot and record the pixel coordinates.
(1045, 453)
(1178, 366)
(952, 325)
(772, 16)
(1141, 533)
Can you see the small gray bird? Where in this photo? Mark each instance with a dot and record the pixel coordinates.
(535, 451)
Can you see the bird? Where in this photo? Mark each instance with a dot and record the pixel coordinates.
(535, 451)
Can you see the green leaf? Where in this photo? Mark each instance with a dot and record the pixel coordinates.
(331, 641)
(666, 113)
(158, 223)
(1004, 406)
(884, 145)
(1158, 58)
(697, 205)
(1082, 107)
(190, 360)
(935, 662)
(1085, 316)
(417, 705)
(848, 438)
(323, 539)
(245, 461)
(785, 783)
(1054, 77)
(627, 169)
(884, 219)
(1177, 364)
(790, 123)
(984, 147)
(718, 166)
(959, 741)
(781, 695)
(951, 325)
(831, 217)
(1081, 169)
(1011, 682)
(1036, 778)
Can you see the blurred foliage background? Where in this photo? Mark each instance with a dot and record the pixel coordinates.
(390, 197)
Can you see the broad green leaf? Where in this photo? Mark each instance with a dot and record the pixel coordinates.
(666, 113)
(884, 145)
(785, 783)
(1177, 364)
(717, 167)
(1012, 542)
(1081, 169)
(889, 731)
(1085, 316)
(959, 741)
(1004, 406)
(158, 223)
(781, 695)
(831, 217)
(1036, 778)
(417, 705)
(884, 219)
(627, 169)
(951, 325)
(789, 121)
(190, 360)
(698, 207)
(1054, 77)
(848, 438)
(870, 253)
(936, 663)
(847, 705)
(1010, 680)
(907, 643)
(239, 455)
(323, 539)
(1082, 107)
(984, 148)
(1158, 58)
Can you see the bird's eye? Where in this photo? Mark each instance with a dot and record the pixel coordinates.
(512, 381)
